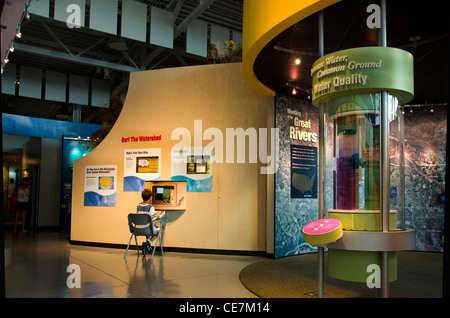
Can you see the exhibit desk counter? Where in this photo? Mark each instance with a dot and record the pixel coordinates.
(180, 124)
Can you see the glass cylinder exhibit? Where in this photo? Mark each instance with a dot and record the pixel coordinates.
(352, 185)
(363, 157)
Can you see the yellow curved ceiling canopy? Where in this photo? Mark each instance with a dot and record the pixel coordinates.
(263, 21)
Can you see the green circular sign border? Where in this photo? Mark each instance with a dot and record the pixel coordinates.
(395, 74)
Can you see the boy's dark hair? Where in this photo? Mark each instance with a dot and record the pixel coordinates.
(146, 194)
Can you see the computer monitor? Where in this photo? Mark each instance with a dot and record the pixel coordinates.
(163, 193)
(168, 195)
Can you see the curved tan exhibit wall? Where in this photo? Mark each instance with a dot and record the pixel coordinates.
(232, 216)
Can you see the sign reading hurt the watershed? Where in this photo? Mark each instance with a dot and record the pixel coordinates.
(303, 171)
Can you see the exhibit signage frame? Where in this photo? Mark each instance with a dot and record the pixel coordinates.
(296, 182)
(100, 185)
(141, 165)
(193, 165)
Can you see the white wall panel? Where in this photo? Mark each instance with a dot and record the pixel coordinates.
(30, 82)
(79, 90)
(40, 7)
(55, 86)
(219, 34)
(197, 38)
(103, 15)
(161, 28)
(61, 13)
(100, 93)
(134, 20)
(237, 37)
(9, 79)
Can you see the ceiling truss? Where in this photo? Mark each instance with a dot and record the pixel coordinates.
(50, 45)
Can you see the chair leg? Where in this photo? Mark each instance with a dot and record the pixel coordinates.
(137, 246)
(154, 249)
(160, 245)
(161, 240)
(128, 246)
(158, 238)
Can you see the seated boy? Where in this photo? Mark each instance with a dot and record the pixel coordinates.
(146, 207)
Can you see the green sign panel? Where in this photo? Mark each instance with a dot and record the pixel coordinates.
(363, 70)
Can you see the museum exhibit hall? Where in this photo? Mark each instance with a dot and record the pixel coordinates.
(221, 156)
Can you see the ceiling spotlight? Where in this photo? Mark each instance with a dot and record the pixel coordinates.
(118, 45)
(294, 91)
(415, 38)
(297, 61)
(62, 113)
(11, 49)
(107, 73)
(18, 34)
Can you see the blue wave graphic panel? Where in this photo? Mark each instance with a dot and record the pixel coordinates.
(192, 185)
(132, 183)
(95, 199)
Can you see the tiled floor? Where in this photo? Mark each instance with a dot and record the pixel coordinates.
(36, 265)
